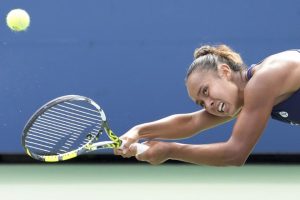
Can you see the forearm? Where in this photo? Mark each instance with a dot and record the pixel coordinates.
(172, 127)
(179, 126)
(217, 154)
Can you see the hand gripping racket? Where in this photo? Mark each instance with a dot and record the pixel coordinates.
(66, 127)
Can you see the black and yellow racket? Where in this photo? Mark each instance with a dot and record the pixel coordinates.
(66, 127)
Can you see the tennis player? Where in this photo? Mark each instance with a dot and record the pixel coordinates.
(221, 84)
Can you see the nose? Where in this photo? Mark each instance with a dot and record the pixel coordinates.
(209, 104)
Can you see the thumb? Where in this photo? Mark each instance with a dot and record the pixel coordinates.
(126, 143)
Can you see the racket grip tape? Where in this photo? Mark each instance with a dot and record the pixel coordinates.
(140, 148)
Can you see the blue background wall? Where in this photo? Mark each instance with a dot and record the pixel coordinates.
(131, 57)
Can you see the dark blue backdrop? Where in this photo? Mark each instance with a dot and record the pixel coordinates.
(131, 57)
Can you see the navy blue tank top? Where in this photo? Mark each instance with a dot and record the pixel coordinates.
(287, 111)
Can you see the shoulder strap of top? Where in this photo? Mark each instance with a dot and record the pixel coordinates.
(249, 72)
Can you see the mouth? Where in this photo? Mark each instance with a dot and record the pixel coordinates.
(221, 107)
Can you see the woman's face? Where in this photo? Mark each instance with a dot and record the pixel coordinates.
(214, 91)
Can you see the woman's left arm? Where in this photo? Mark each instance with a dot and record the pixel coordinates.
(251, 122)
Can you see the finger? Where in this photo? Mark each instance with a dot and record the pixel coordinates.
(128, 142)
(126, 145)
(141, 157)
(118, 151)
(132, 148)
(126, 155)
(125, 152)
(138, 156)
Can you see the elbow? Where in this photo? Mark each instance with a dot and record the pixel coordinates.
(239, 162)
(236, 157)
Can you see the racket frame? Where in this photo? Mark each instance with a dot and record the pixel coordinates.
(88, 147)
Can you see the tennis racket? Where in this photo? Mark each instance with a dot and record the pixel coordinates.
(66, 127)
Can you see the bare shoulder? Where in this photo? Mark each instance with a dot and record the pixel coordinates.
(290, 57)
(277, 75)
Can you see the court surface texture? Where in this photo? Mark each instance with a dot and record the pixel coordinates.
(143, 182)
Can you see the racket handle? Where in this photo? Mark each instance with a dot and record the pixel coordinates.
(140, 148)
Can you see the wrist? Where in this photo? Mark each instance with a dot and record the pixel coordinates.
(173, 150)
(136, 132)
(141, 132)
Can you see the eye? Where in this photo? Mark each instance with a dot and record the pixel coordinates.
(205, 91)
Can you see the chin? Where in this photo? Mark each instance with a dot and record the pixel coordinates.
(236, 112)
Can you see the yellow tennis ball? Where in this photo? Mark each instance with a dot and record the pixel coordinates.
(18, 20)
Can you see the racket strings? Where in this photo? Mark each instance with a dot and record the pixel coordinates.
(63, 128)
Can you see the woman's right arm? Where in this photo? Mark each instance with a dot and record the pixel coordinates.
(175, 126)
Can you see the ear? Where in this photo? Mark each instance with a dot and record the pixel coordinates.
(224, 71)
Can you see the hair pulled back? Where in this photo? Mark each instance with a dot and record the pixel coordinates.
(209, 57)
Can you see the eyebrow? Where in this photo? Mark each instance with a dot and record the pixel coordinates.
(199, 91)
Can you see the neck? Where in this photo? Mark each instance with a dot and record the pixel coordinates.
(240, 79)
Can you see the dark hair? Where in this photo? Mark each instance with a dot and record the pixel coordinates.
(208, 57)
